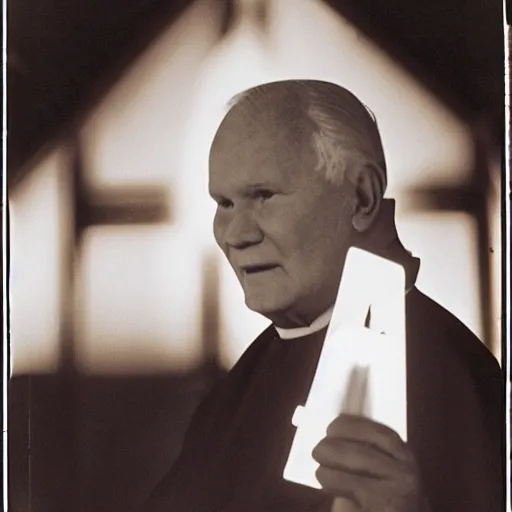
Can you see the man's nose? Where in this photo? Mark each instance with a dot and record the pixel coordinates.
(243, 231)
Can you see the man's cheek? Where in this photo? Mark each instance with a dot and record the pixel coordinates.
(300, 265)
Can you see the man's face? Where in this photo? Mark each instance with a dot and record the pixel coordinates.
(284, 229)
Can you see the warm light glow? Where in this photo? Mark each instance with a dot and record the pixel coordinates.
(423, 142)
(140, 297)
(135, 135)
(139, 301)
(155, 128)
(239, 61)
(446, 243)
(40, 216)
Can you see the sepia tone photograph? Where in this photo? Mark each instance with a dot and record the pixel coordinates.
(256, 256)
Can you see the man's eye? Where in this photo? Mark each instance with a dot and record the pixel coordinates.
(225, 203)
(264, 194)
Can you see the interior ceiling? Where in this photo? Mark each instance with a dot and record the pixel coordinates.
(63, 53)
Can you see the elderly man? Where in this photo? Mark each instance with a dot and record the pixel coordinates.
(298, 173)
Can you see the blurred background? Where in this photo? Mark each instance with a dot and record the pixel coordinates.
(123, 312)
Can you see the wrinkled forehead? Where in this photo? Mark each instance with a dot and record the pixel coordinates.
(274, 116)
(272, 132)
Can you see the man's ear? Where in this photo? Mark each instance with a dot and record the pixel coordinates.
(369, 189)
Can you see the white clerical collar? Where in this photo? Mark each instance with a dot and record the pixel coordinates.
(298, 332)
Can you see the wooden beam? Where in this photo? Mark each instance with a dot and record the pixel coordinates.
(442, 199)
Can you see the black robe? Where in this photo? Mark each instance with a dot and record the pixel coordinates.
(239, 438)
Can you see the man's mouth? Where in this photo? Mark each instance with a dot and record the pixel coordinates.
(258, 269)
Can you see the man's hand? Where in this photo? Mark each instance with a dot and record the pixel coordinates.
(368, 464)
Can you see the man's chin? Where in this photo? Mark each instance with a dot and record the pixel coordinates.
(269, 309)
(286, 311)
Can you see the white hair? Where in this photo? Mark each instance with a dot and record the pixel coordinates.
(344, 132)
